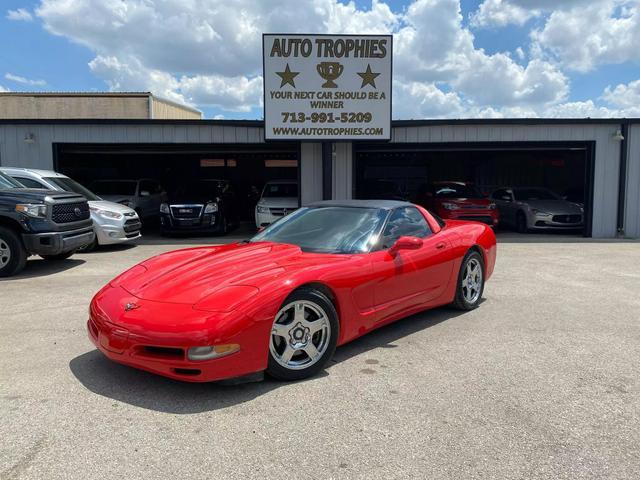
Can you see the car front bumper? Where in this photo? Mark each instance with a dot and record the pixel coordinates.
(129, 338)
(488, 217)
(205, 223)
(56, 243)
(112, 231)
(555, 221)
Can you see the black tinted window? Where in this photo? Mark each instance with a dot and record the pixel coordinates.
(404, 222)
(29, 183)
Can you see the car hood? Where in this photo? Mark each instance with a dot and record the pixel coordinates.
(116, 198)
(188, 276)
(554, 206)
(284, 202)
(111, 206)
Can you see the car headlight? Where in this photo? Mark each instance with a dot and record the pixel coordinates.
(164, 208)
(540, 212)
(106, 213)
(211, 208)
(213, 351)
(262, 209)
(36, 210)
(450, 206)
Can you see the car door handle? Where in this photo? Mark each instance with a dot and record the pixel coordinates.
(440, 245)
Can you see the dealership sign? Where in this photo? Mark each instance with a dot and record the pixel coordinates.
(327, 87)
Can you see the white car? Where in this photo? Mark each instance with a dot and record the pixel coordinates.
(279, 198)
(112, 222)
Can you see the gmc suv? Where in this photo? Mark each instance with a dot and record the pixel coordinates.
(40, 222)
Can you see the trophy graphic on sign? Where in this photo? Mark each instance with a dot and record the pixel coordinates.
(330, 71)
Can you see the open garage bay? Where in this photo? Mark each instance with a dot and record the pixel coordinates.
(539, 382)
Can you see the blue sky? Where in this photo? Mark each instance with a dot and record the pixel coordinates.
(548, 83)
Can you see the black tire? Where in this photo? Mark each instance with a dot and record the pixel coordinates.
(521, 222)
(13, 254)
(280, 372)
(460, 301)
(58, 257)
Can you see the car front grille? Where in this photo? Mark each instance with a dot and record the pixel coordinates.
(70, 212)
(186, 211)
(132, 225)
(280, 212)
(567, 218)
(475, 207)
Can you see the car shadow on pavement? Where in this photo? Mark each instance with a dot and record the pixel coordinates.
(153, 392)
(41, 268)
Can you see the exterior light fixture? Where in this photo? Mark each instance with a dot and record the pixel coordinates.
(618, 137)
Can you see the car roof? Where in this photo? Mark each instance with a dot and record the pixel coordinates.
(380, 204)
(33, 171)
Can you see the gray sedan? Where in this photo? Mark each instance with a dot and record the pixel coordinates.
(536, 209)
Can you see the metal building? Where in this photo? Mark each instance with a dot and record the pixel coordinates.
(598, 157)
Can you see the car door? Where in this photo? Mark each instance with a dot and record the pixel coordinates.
(148, 198)
(504, 200)
(409, 278)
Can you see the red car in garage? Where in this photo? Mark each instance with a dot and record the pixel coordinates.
(283, 300)
(459, 201)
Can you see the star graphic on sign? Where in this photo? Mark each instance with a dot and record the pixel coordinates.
(368, 77)
(287, 77)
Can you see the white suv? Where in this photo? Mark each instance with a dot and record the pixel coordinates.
(279, 198)
(112, 222)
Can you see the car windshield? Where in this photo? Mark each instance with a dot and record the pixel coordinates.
(115, 187)
(199, 188)
(7, 182)
(455, 190)
(525, 194)
(280, 190)
(327, 229)
(69, 185)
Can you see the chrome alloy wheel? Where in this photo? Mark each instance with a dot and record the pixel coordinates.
(5, 253)
(472, 280)
(300, 335)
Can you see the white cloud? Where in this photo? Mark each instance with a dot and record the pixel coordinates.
(499, 13)
(625, 97)
(3, 89)
(602, 32)
(208, 52)
(19, 15)
(24, 81)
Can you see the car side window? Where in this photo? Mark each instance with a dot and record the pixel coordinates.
(407, 221)
(30, 183)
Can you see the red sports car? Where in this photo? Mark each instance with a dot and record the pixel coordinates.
(282, 301)
(459, 201)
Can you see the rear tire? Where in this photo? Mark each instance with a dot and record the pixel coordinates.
(13, 255)
(58, 257)
(470, 282)
(303, 337)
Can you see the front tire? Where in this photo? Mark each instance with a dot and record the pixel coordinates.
(470, 282)
(521, 222)
(13, 255)
(303, 337)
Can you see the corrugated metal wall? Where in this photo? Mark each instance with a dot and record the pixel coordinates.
(632, 204)
(311, 173)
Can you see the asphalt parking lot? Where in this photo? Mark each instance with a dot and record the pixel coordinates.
(541, 381)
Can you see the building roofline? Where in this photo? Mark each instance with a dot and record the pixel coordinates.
(260, 123)
(75, 94)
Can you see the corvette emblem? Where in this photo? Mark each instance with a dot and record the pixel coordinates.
(131, 306)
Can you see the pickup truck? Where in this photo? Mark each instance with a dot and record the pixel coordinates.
(40, 222)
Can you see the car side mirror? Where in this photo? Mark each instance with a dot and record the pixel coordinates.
(145, 193)
(406, 243)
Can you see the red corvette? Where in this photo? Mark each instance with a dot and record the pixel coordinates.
(282, 301)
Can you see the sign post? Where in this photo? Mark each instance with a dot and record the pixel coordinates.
(327, 87)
